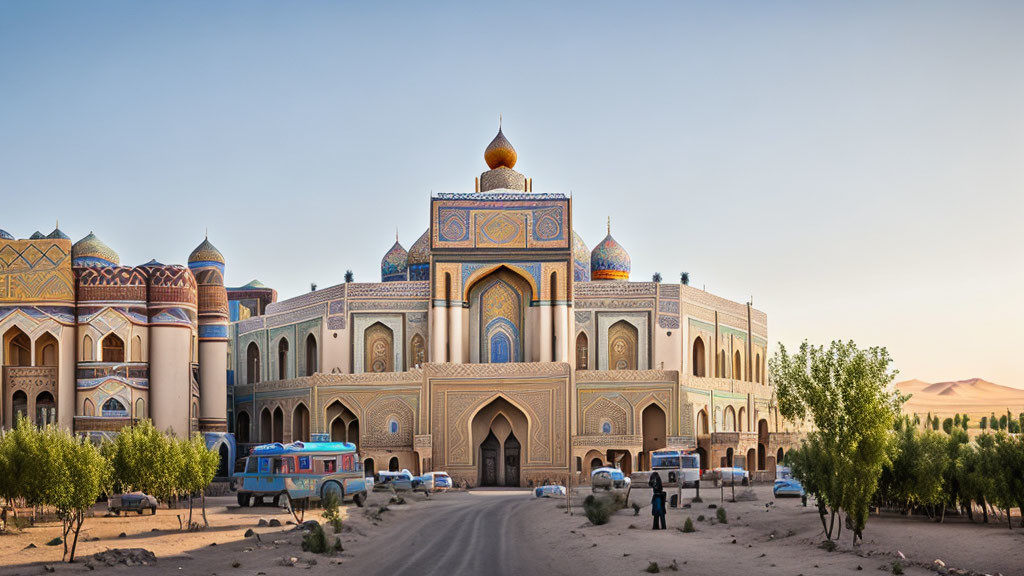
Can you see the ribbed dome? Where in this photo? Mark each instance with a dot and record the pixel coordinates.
(206, 252)
(419, 258)
(5, 236)
(609, 260)
(581, 259)
(91, 251)
(395, 264)
(500, 152)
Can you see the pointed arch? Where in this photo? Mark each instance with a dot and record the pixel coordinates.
(17, 348)
(582, 351)
(623, 339)
(113, 348)
(498, 303)
(252, 363)
(88, 349)
(729, 419)
(137, 349)
(283, 358)
(312, 357)
(418, 355)
(737, 366)
(702, 422)
(242, 427)
(300, 423)
(698, 357)
(46, 350)
(379, 348)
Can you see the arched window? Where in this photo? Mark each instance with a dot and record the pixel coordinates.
(88, 408)
(282, 359)
(114, 408)
(278, 435)
(737, 366)
(87, 351)
(582, 351)
(140, 409)
(393, 427)
(266, 426)
(137, 349)
(113, 348)
(18, 348)
(252, 363)
(702, 422)
(729, 424)
(311, 355)
(19, 406)
(419, 350)
(697, 360)
(46, 350)
(300, 423)
(554, 298)
(741, 418)
(242, 427)
(379, 349)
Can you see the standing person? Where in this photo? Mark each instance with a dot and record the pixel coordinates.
(657, 501)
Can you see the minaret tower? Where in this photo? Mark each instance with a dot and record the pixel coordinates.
(207, 264)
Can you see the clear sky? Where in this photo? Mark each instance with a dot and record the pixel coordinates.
(857, 169)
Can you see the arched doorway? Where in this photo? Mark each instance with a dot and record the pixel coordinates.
(498, 430)
(252, 363)
(393, 464)
(378, 348)
(113, 348)
(778, 457)
(698, 358)
(654, 427)
(282, 359)
(311, 355)
(300, 423)
(46, 409)
(762, 444)
(751, 460)
(225, 455)
(621, 459)
(702, 455)
(19, 407)
(582, 351)
(344, 425)
(278, 425)
(622, 346)
(242, 427)
(728, 457)
(369, 468)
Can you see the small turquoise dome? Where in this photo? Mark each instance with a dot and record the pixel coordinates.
(419, 258)
(609, 260)
(91, 251)
(395, 264)
(580, 259)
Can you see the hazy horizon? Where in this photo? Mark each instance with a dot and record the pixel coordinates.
(855, 169)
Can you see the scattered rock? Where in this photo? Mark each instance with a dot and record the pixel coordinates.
(122, 535)
(280, 542)
(213, 543)
(263, 523)
(55, 542)
(712, 506)
(49, 568)
(236, 564)
(249, 533)
(30, 546)
(274, 523)
(126, 556)
(155, 530)
(733, 540)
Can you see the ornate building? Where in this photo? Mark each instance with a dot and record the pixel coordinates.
(501, 349)
(94, 345)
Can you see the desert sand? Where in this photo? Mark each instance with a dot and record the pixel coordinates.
(498, 532)
(975, 397)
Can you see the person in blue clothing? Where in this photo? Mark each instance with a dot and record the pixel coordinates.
(658, 502)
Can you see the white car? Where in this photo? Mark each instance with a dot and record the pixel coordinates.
(608, 478)
(436, 481)
(733, 475)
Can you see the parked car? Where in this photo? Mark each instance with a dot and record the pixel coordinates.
(608, 478)
(131, 502)
(731, 475)
(549, 491)
(436, 481)
(402, 481)
(785, 484)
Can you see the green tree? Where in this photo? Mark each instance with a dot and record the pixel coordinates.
(956, 421)
(197, 467)
(1002, 422)
(947, 425)
(143, 459)
(844, 391)
(983, 424)
(935, 424)
(964, 420)
(78, 477)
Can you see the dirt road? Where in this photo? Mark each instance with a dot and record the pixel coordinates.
(479, 532)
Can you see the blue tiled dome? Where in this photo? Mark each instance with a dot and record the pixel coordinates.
(5, 236)
(419, 258)
(609, 260)
(394, 266)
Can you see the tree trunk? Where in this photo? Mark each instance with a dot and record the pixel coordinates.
(205, 521)
(190, 510)
(1009, 521)
(831, 525)
(78, 528)
(984, 510)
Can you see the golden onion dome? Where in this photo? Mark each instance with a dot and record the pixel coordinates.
(206, 252)
(91, 251)
(500, 153)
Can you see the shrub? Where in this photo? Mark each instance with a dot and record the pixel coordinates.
(315, 540)
(598, 510)
(721, 516)
(331, 512)
(652, 568)
(636, 509)
(897, 568)
(700, 518)
(688, 526)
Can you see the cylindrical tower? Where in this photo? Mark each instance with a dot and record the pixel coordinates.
(207, 265)
(173, 386)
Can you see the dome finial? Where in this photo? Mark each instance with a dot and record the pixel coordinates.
(609, 225)
(500, 153)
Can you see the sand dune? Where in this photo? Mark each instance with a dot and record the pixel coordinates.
(974, 395)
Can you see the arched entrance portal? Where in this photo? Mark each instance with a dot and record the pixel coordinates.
(497, 429)
(653, 428)
(344, 425)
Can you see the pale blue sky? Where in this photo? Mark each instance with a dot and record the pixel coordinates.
(856, 168)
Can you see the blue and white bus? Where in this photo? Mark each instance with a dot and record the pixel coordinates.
(300, 471)
(681, 466)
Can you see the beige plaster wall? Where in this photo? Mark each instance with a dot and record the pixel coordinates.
(170, 378)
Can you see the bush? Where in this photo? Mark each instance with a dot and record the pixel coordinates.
(721, 516)
(652, 568)
(599, 509)
(688, 526)
(315, 540)
(331, 514)
(897, 568)
(700, 518)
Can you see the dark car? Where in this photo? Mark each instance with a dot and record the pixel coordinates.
(133, 501)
